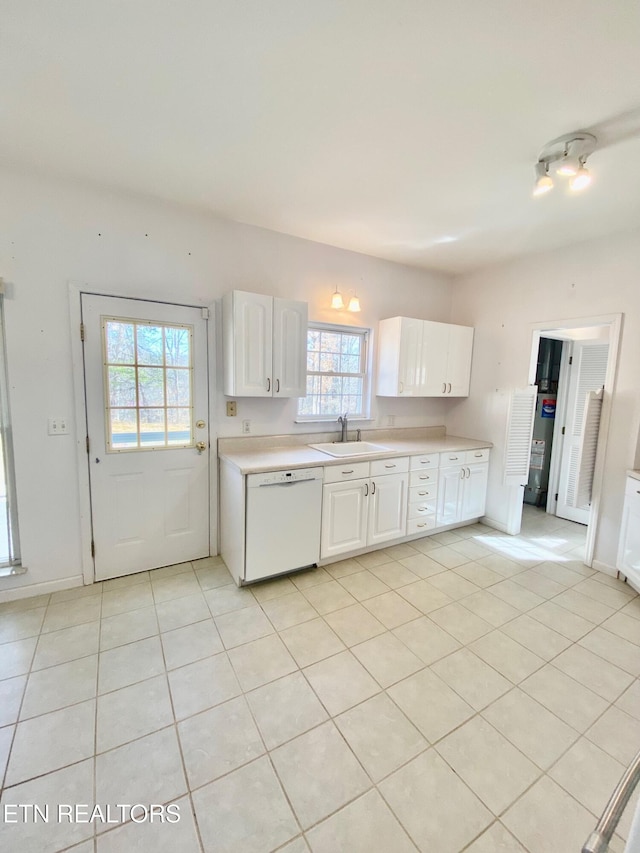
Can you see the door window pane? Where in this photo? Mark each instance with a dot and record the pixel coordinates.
(148, 384)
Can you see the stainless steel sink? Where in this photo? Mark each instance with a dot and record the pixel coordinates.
(349, 448)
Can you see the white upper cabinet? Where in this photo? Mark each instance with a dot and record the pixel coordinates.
(421, 358)
(289, 348)
(265, 345)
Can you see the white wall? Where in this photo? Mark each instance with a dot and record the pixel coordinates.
(590, 279)
(53, 233)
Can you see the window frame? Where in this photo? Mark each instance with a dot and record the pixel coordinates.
(365, 374)
(7, 456)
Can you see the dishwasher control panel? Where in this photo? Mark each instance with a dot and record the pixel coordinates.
(273, 478)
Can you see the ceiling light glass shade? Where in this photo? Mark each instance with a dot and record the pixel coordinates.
(543, 182)
(354, 304)
(336, 300)
(581, 179)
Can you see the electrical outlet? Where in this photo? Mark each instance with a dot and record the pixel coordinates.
(232, 408)
(58, 426)
(246, 427)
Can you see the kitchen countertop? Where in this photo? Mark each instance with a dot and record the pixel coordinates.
(634, 472)
(301, 456)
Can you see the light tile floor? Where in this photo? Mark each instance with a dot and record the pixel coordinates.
(470, 691)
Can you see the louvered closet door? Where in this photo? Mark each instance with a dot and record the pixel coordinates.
(586, 373)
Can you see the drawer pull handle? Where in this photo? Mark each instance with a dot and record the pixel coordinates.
(453, 459)
(423, 461)
(389, 466)
(422, 509)
(477, 454)
(424, 493)
(348, 472)
(423, 477)
(424, 524)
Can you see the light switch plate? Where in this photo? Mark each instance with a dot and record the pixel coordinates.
(58, 426)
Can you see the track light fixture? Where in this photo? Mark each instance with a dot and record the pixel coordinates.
(565, 156)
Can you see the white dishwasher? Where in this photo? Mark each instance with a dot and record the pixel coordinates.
(283, 522)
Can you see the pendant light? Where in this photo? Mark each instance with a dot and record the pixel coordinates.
(337, 301)
(354, 304)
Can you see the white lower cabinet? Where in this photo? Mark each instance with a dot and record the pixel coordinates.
(344, 517)
(360, 513)
(366, 504)
(387, 508)
(462, 491)
(628, 561)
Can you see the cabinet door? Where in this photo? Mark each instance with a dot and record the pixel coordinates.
(450, 485)
(253, 344)
(435, 348)
(474, 492)
(344, 517)
(410, 365)
(289, 348)
(629, 551)
(387, 508)
(458, 372)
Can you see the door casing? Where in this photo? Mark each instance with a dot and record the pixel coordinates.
(538, 330)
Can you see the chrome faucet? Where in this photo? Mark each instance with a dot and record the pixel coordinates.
(342, 420)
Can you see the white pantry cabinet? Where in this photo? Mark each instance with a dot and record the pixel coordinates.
(360, 513)
(422, 358)
(265, 345)
(628, 561)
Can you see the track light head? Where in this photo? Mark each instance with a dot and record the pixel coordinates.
(581, 179)
(544, 182)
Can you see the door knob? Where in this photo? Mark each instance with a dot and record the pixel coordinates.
(201, 446)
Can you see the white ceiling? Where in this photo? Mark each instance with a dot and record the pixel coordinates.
(384, 126)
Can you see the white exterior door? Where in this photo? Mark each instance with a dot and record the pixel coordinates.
(587, 372)
(344, 517)
(289, 348)
(387, 508)
(145, 366)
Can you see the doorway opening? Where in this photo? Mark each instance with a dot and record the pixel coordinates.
(573, 364)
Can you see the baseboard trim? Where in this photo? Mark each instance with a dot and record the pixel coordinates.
(494, 523)
(605, 568)
(32, 589)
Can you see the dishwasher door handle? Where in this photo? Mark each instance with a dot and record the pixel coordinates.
(286, 485)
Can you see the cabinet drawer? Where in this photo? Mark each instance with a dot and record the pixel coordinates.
(423, 478)
(452, 457)
(422, 510)
(426, 460)
(389, 466)
(346, 471)
(421, 525)
(477, 455)
(419, 494)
